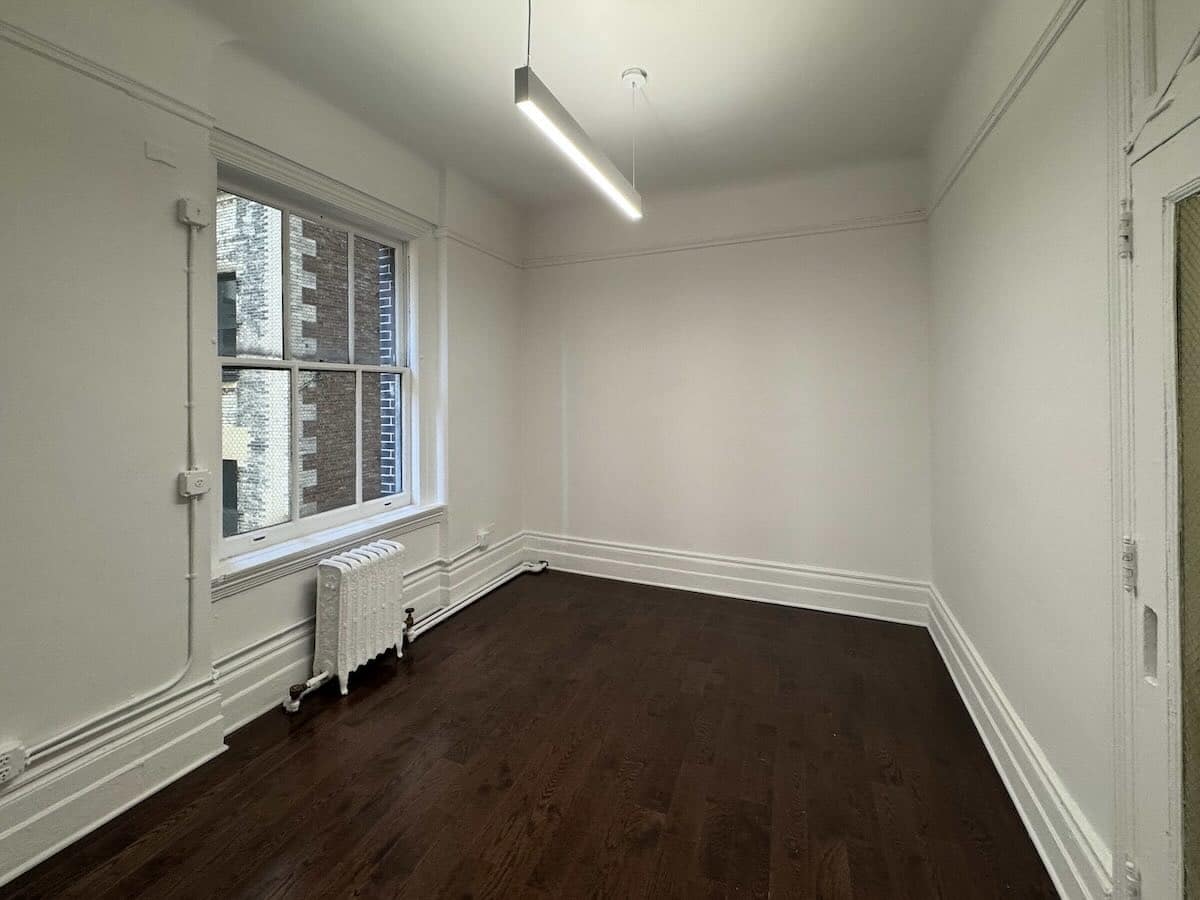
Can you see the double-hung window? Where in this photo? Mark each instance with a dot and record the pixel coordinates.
(313, 346)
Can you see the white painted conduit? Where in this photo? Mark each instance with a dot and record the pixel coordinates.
(442, 613)
(145, 702)
(159, 695)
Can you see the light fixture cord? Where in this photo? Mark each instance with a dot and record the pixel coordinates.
(633, 126)
(528, 32)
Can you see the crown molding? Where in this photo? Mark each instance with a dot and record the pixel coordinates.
(1171, 108)
(138, 90)
(465, 241)
(1041, 49)
(905, 218)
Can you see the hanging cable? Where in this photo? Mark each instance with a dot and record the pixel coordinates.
(528, 32)
(633, 127)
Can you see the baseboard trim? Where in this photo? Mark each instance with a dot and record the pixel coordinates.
(78, 797)
(254, 679)
(50, 811)
(1077, 858)
(469, 586)
(826, 590)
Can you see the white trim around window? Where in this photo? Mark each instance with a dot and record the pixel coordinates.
(229, 551)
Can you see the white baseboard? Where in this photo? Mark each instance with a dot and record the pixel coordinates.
(1077, 858)
(476, 575)
(255, 679)
(104, 781)
(850, 593)
(62, 799)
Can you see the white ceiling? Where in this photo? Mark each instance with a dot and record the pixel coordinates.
(739, 89)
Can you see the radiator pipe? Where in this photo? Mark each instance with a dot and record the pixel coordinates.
(298, 692)
(439, 616)
(406, 635)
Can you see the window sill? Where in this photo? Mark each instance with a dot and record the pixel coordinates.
(248, 570)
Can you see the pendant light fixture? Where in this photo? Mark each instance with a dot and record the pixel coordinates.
(542, 108)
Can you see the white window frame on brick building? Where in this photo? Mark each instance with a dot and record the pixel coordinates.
(297, 525)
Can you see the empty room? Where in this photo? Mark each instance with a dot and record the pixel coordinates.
(600, 448)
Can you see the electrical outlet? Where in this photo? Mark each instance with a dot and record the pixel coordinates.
(195, 482)
(12, 762)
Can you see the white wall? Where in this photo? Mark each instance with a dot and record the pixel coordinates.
(1175, 24)
(763, 399)
(164, 45)
(1021, 511)
(257, 103)
(484, 296)
(753, 371)
(92, 414)
(94, 544)
(752, 209)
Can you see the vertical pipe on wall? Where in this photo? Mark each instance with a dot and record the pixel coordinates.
(139, 704)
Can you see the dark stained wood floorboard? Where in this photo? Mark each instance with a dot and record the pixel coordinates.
(577, 737)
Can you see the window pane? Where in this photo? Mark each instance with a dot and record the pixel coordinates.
(379, 321)
(327, 464)
(249, 280)
(382, 426)
(319, 291)
(256, 456)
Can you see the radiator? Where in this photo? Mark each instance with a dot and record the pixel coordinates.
(360, 610)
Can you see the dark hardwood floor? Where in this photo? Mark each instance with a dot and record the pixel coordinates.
(575, 737)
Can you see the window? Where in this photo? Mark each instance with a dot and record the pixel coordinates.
(312, 341)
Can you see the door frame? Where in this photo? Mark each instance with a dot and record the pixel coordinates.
(1171, 175)
(1139, 122)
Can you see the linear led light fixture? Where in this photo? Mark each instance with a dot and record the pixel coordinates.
(535, 100)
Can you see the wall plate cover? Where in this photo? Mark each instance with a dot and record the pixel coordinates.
(12, 762)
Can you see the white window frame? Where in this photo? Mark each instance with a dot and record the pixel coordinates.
(299, 527)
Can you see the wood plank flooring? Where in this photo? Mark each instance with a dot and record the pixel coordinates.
(577, 737)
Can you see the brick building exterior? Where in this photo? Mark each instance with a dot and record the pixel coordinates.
(256, 414)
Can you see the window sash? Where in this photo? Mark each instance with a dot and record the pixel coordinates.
(298, 526)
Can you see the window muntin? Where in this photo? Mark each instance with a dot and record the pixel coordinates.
(315, 391)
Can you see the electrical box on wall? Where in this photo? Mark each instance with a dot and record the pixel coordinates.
(194, 482)
(193, 212)
(12, 762)
(483, 536)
